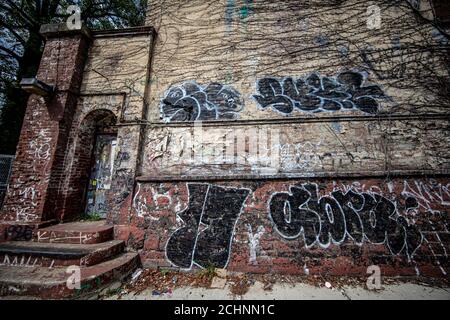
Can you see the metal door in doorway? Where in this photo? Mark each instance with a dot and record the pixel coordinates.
(101, 175)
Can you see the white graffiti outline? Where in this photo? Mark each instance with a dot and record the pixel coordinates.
(209, 105)
(346, 233)
(207, 226)
(322, 100)
(253, 241)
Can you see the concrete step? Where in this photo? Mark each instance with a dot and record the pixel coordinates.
(21, 231)
(51, 283)
(15, 253)
(76, 232)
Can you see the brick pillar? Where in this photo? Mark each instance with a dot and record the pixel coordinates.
(43, 140)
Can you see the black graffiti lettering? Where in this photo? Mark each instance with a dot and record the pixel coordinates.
(294, 217)
(413, 236)
(411, 203)
(209, 222)
(351, 202)
(340, 216)
(191, 101)
(316, 93)
(396, 237)
(309, 219)
(180, 247)
(321, 222)
(220, 213)
(286, 220)
(394, 234)
(332, 221)
(371, 218)
(122, 156)
(19, 233)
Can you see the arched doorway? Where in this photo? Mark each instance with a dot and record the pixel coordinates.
(102, 165)
(92, 167)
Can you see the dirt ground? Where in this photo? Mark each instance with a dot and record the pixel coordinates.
(152, 284)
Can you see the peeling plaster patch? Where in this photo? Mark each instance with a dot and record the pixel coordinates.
(336, 126)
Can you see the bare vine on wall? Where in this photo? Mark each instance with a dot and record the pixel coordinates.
(237, 41)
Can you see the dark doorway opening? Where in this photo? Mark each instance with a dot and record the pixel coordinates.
(86, 192)
(103, 154)
(100, 179)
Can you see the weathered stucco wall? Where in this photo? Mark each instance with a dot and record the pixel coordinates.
(115, 78)
(119, 65)
(259, 64)
(325, 148)
(239, 43)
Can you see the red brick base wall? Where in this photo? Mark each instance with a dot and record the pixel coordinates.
(335, 227)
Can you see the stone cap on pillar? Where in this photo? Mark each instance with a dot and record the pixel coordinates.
(60, 30)
(35, 86)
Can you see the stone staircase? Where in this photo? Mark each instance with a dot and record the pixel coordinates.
(40, 267)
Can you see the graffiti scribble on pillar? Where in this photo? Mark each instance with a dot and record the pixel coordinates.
(123, 185)
(209, 221)
(191, 101)
(316, 93)
(19, 233)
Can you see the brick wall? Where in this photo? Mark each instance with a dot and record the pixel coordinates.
(38, 166)
(316, 226)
